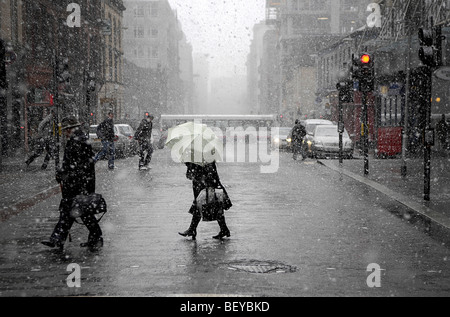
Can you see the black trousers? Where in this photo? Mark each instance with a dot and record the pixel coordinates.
(65, 222)
(47, 145)
(145, 152)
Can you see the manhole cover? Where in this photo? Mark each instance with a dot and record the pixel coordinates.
(255, 266)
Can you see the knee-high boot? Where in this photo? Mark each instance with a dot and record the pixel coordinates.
(192, 231)
(224, 231)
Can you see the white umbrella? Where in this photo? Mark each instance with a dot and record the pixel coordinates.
(194, 143)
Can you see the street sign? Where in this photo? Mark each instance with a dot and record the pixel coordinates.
(443, 73)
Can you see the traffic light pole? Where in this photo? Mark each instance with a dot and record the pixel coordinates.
(428, 136)
(365, 132)
(341, 125)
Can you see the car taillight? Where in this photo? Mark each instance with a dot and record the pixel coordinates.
(116, 138)
(130, 137)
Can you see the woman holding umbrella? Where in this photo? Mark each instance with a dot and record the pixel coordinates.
(198, 147)
(204, 177)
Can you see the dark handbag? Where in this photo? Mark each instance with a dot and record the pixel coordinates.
(212, 207)
(226, 201)
(84, 205)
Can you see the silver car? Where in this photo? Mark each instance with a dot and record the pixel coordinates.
(310, 125)
(122, 142)
(325, 142)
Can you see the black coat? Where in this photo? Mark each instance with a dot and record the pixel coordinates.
(77, 174)
(105, 130)
(144, 131)
(202, 176)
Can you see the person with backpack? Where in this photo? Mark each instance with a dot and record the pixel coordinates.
(144, 135)
(105, 132)
(298, 133)
(76, 177)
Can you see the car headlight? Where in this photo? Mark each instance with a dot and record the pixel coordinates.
(289, 140)
(309, 142)
(276, 140)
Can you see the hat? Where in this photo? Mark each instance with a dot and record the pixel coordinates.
(70, 122)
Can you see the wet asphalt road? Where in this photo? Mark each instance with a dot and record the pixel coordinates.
(314, 232)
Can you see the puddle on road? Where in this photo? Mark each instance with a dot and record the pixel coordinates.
(260, 267)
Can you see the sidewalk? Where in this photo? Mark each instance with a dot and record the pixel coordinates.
(22, 187)
(385, 177)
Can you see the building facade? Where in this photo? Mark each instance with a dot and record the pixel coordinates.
(53, 47)
(305, 27)
(152, 41)
(111, 92)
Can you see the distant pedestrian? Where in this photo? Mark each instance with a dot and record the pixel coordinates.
(144, 137)
(442, 131)
(298, 133)
(203, 177)
(45, 141)
(105, 132)
(76, 177)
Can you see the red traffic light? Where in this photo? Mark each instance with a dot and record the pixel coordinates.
(92, 114)
(366, 59)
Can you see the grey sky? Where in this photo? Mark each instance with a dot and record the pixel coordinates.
(222, 29)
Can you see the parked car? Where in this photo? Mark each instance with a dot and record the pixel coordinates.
(325, 142)
(124, 143)
(127, 130)
(310, 125)
(282, 139)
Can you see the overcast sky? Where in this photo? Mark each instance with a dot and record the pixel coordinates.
(223, 29)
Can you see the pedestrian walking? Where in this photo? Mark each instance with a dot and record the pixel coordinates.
(45, 141)
(76, 177)
(144, 135)
(442, 131)
(105, 132)
(298, 133)
(203, 177)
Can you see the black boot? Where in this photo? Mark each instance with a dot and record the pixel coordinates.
(224, 231)
(192, 231)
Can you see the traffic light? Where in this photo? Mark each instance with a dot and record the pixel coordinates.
(355, 69)
(430, 51)
(367, 73)
(345, 89)
(91, 81)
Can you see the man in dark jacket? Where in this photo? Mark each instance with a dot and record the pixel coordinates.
(144, 135)
(76, 177)
(298, 133)
(105, 131)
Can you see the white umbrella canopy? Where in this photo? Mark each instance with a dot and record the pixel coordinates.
(194, 143)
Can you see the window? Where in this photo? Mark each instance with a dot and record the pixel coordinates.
(153, 51)
(153, 33)
(138, 32)
(154, 9)
(139, 12)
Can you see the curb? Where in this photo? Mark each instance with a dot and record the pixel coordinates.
(435, 223)
(15, 209)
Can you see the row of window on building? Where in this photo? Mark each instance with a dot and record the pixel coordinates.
(150, 11)
(139, 32)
